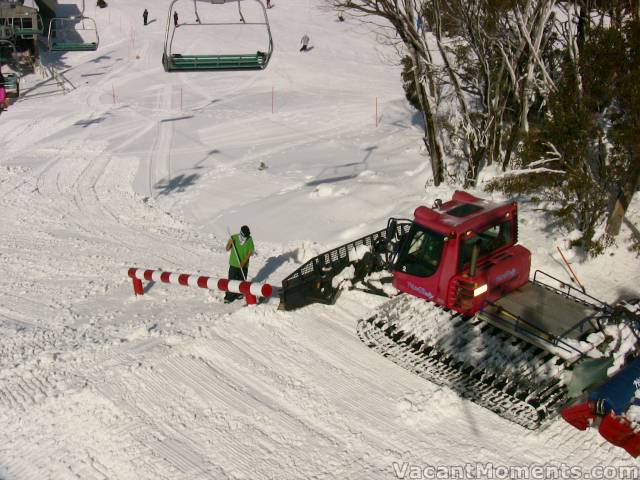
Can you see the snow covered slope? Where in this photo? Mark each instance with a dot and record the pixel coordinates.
(137, 167)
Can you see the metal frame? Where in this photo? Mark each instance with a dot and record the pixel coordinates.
(531, 333)
(69, 46)
(608, 313)
(25, 33)
(14, 58)
(215, 62)
(312, 281)
(11, 45)
(569, 290)
(12, 84)
(21, 31)
(7, 32)
(540, 337)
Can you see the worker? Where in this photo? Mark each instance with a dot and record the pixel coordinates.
(145, 15)
(175, 19)
(305, 43)
(240, 248)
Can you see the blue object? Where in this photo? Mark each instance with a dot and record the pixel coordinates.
(619, 392)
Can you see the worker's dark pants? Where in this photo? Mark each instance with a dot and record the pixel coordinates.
(235, 273)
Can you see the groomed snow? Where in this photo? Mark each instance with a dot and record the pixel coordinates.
(137, 167)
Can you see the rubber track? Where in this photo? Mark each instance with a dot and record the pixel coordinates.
(509, 398)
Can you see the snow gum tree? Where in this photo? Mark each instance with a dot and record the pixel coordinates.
(547, 90)
(474, 70)
(582, 154)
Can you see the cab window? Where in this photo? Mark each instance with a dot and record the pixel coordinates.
(421, 252)
(489, 240)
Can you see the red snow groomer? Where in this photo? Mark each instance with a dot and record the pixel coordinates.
(474, 319)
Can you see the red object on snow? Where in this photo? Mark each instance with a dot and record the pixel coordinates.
(611, 401)
(248, 289)
(632, 446)
(580, 416)
(616, 430)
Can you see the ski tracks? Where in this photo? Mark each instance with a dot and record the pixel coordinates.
(159, 160)
(68, 231)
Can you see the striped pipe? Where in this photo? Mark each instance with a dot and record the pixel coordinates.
(248, 289)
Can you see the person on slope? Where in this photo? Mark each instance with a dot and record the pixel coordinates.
(240, 248)
(175, 19)
(305, 43)
(145, 15)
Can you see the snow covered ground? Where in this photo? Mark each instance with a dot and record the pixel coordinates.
(137, 167)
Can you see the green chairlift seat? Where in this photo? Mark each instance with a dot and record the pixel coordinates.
(66, 34)
(73, 47)
(180, 62)
(12, 84)
(214, 62)
(7, 52)
(26, 28)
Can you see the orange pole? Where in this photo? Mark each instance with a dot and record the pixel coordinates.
(573, 274)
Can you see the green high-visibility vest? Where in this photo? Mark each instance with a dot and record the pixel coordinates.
(243, 250)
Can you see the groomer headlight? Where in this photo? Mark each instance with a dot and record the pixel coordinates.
(480, 290)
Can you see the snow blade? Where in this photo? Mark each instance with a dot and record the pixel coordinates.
(313, 282)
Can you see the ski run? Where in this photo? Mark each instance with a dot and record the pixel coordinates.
(135, 167)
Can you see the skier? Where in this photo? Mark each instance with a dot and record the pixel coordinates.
(305, 43)
(240, 248)
(145, 14)
(175, 19)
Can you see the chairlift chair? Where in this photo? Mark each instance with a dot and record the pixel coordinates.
(7, 51)
(7, 32)
(11, 84)
(61, 29)
(25, 28)
(178, 62)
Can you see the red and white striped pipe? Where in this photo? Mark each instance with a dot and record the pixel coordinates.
(248, 289)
